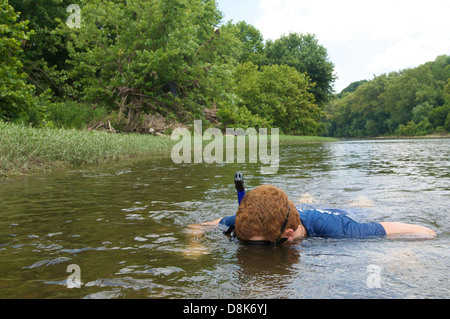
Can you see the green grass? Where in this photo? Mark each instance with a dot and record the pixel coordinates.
(290, 139)
(25, 150)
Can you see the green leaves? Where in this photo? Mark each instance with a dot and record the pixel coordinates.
(409, 102)
(306, 55)
(173, 58)
(15, 94)
(135, 49)
(280, 95)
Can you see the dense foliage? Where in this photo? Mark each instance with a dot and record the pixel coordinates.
(128, 59)
(175, 58)
(306, 55)
(16, 95)
(411, 102)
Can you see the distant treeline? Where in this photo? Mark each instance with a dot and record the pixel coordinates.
(122, 60)
(411, 102)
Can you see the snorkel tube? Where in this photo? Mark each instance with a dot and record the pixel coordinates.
(239, 184)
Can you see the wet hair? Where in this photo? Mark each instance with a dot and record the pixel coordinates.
(262, 213)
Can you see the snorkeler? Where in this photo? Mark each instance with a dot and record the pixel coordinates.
(267, 216)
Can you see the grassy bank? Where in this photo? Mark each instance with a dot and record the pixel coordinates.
(25, 150)
(289, 139)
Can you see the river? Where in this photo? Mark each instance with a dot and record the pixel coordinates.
(123, 226)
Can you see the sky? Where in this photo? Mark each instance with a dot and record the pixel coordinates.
(364, 38)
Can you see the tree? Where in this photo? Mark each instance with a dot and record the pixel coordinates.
(447, 93)
(361, 112)
(304, 53)
(406, 90)
(16, 96)
(144, 56)
(45, 53)
(351, 88)
(438, 115)
(421, 112)
(412, 101)
(251, 42)
(280, 95)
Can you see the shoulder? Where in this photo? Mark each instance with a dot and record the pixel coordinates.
(227, 222)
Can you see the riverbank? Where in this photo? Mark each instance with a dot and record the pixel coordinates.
(431, 136)
(26, 150)
(291, 139)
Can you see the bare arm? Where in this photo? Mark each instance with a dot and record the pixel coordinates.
(195, 230)
(212, 223)
(406, 229)
(200, 228)
(194, 234)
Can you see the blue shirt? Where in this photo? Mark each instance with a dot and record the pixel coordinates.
(330, 223)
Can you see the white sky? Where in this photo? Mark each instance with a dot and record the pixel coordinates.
(363, 38)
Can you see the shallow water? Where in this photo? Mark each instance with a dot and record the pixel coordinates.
(124, 225)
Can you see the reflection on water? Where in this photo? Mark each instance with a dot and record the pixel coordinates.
(124, 225)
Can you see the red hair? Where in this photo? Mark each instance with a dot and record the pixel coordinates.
(262, 212)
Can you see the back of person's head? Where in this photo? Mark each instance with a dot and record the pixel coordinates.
(262, 213)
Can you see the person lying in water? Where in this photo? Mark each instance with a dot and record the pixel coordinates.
(267, 216)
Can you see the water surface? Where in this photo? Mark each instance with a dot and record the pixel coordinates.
(124, 225)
